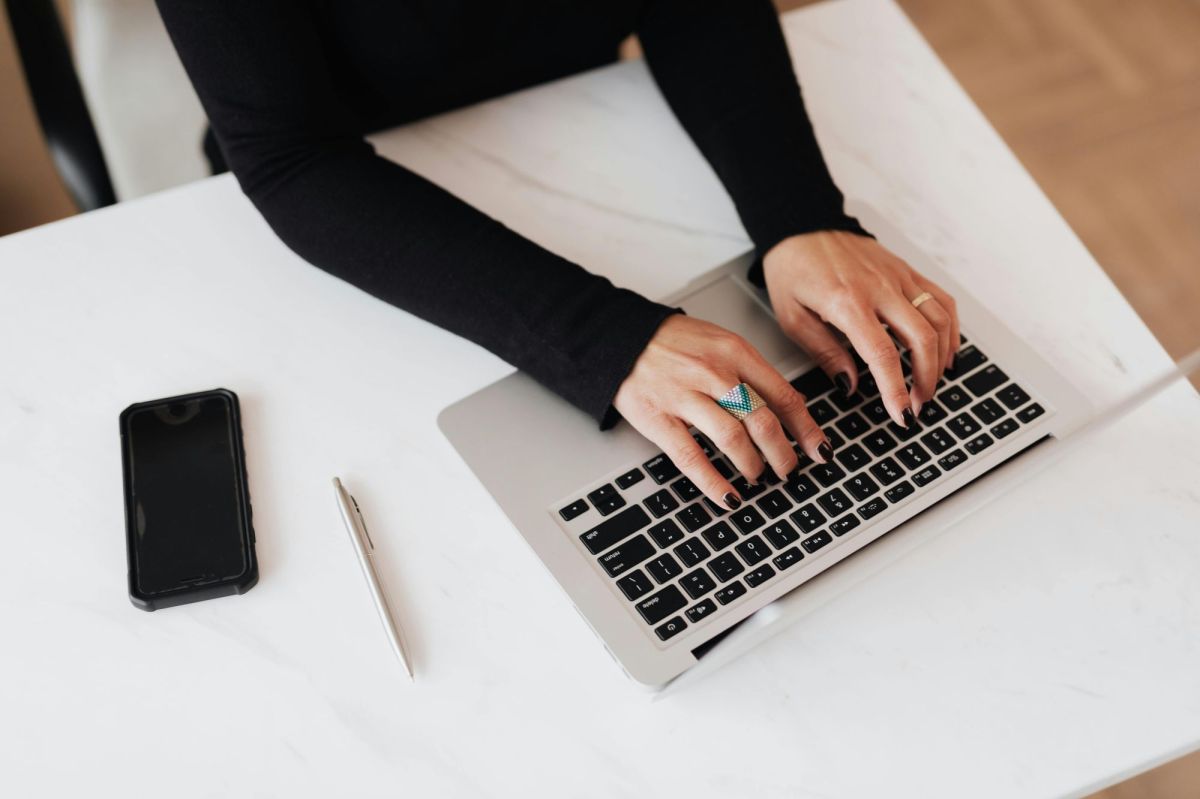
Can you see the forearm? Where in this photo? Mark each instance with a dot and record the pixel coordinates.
(724, 68)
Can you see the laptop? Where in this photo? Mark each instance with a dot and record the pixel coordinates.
(660, 573)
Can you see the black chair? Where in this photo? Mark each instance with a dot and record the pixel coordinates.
(58, 100)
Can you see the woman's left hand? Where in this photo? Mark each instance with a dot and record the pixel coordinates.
(855, 284)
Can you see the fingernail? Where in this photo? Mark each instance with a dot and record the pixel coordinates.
(825, 450)
(843, 382)
(917, 410)
(909, 419)
(733, 501)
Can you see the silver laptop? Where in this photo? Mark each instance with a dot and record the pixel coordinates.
(660, 573)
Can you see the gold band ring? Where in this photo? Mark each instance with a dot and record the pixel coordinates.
(920, 298)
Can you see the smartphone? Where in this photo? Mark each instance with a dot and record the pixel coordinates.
(188, 530)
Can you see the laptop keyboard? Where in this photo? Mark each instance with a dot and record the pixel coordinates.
(678, 559)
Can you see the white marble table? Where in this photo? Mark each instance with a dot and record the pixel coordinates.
(1048, 643)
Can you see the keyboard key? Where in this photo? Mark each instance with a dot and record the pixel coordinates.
(614, 529)
(954, 398)
(1005, 428)
(660, 469)
(963, 426)
(835, 438)
(661, 503)
(774, 504)
(787, 559)
(631, 477)
(665, 533)
(875, 411)
(872, 508)
(986, 379)
(821, 412)
(759, 576)
(801, 488)
(844, 402)
(812, 383)
(723, 468)
(899, 491)
(887, 471)
(697, 583)
(719, 536)
(965, 360)
(813, 543)
(987, 411)
(852, 425)
(827, 473)
(692, 552)
(730, 593)
(745, 489)
(931, 413)
(853, 457)
(926, 475)
(912, 455)
(664, 567)
(937, 440)
(844, 525)
(808, 518)
(1013, 396)
(670, 629)
(685, 489)
(693, 517)
(978, 444)
(613, 503)
(780, 534)
(714, 508)
(635, 584)
(904, 433)
(726, 567)
(753, 550)
(622, 558)
(861, 486)
(604, 492)
(660, 605)
(955, 458)
(879, 442)
(834, 502)
(574, 509)
(747, 519)
(1027, 415)
(701, 610)
(867, 386)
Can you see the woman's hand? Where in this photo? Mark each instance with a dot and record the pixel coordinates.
(676, 381)
(853, 283)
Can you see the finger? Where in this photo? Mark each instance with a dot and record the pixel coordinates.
(766, 431)
(726, 432)
(789, 407)
(948, 305)
(672, 436)
(920, 339)
(806, 329)
(875, 346)
(940, 320)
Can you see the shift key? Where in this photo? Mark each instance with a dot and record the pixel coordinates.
(615, 529)
(660, 605)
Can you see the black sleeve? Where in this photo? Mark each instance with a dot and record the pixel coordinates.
(724, 68)
(299, 154)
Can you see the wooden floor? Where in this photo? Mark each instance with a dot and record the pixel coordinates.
(1100, 99)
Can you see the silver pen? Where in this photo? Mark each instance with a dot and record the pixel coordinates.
(365, 549)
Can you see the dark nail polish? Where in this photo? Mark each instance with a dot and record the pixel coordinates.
(825, 450)
(843, 382)
(733, 501)
(909, 419)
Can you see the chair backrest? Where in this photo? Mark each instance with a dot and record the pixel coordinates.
(58, 101)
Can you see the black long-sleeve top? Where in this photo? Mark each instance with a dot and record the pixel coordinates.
(292, 86)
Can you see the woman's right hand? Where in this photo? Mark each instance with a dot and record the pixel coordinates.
(675, 383)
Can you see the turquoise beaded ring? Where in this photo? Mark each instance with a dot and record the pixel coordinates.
(741, 401)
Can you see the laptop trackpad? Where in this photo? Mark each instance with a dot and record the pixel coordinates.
(735, 304)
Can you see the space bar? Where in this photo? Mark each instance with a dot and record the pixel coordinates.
(610, 531)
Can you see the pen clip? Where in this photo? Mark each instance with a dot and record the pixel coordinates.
(362, 521)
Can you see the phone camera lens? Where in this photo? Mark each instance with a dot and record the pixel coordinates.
(177, 409)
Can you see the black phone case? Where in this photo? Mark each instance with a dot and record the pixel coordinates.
(234, 585)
